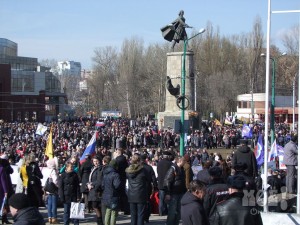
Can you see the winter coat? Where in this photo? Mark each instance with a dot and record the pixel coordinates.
(152, 181)
(8, 170)
(3, 183)
(290, 154)
(192, 211)
(233, 212)
(95, 179)
(216, 192)
(52, 165)
(68, 189)
(28, 216)
(34, 189)
(84, 173)
(174, 181)
(110, 184)
(137, 183)
(245, 155)
(122, 164)
(162, 168)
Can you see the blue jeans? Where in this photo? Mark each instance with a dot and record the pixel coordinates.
(52, 205)
(174, 212)
(137, 212)
(67, 209)
(162, 206)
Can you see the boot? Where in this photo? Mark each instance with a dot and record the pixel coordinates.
(50, 220)
(5, 220)
(54, 221)
(99, 221)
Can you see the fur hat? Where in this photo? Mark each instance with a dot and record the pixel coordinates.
(215, 171)
(237, 182)
(19, 201)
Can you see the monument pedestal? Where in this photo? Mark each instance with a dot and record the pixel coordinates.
(172, 112)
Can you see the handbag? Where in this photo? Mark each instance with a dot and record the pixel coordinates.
(50, 186)
(77, 210)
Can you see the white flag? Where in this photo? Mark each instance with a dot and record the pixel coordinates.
(41, 129)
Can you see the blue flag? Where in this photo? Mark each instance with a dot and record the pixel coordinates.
(259, 152)
(246, 131)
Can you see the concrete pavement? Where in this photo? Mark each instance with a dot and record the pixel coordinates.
(268, 218)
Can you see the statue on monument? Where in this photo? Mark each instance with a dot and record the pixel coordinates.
(176, 30)
(175, 91)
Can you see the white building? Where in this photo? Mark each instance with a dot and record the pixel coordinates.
(255, 103)
(69, 68)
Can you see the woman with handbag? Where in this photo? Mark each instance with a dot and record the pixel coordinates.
(94, 187)
(69, 191)
(111, 193)
(51, 189)
(34, 189)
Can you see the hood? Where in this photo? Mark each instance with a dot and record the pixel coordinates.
(30, 214)
(108, 169)
(189, 198)
(244, 149)
(52, 163)
(133, 168)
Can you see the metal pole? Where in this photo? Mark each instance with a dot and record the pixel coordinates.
(294, 81)
(183, 99)
(195, 93)
(298, 172)
(272, 124)
(265, 183)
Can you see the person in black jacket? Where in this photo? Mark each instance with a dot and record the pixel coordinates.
(110, 197)
(216, 190)
(245, 155)
(151, 185)
(69, 191)
(84, 173)
(122, 164)
(94, 187)
(175, 188)
(137, 190)
(234, 210)
(192, 211)
(34, 189)
(22, 212)
(162, 168)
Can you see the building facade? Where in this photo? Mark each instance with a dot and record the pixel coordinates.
(248, 104)
(27, 92)
(69, 68)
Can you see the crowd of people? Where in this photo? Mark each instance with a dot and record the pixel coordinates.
(198, 188)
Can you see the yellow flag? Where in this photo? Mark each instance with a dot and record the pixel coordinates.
(49, 146)
(217, 122)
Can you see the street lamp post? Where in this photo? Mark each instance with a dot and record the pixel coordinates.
(183, 75)
(272, 109)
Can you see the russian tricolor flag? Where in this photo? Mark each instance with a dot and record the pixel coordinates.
(90, 149)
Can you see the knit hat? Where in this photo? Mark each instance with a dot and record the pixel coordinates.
(237, 182)
(19, 201)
